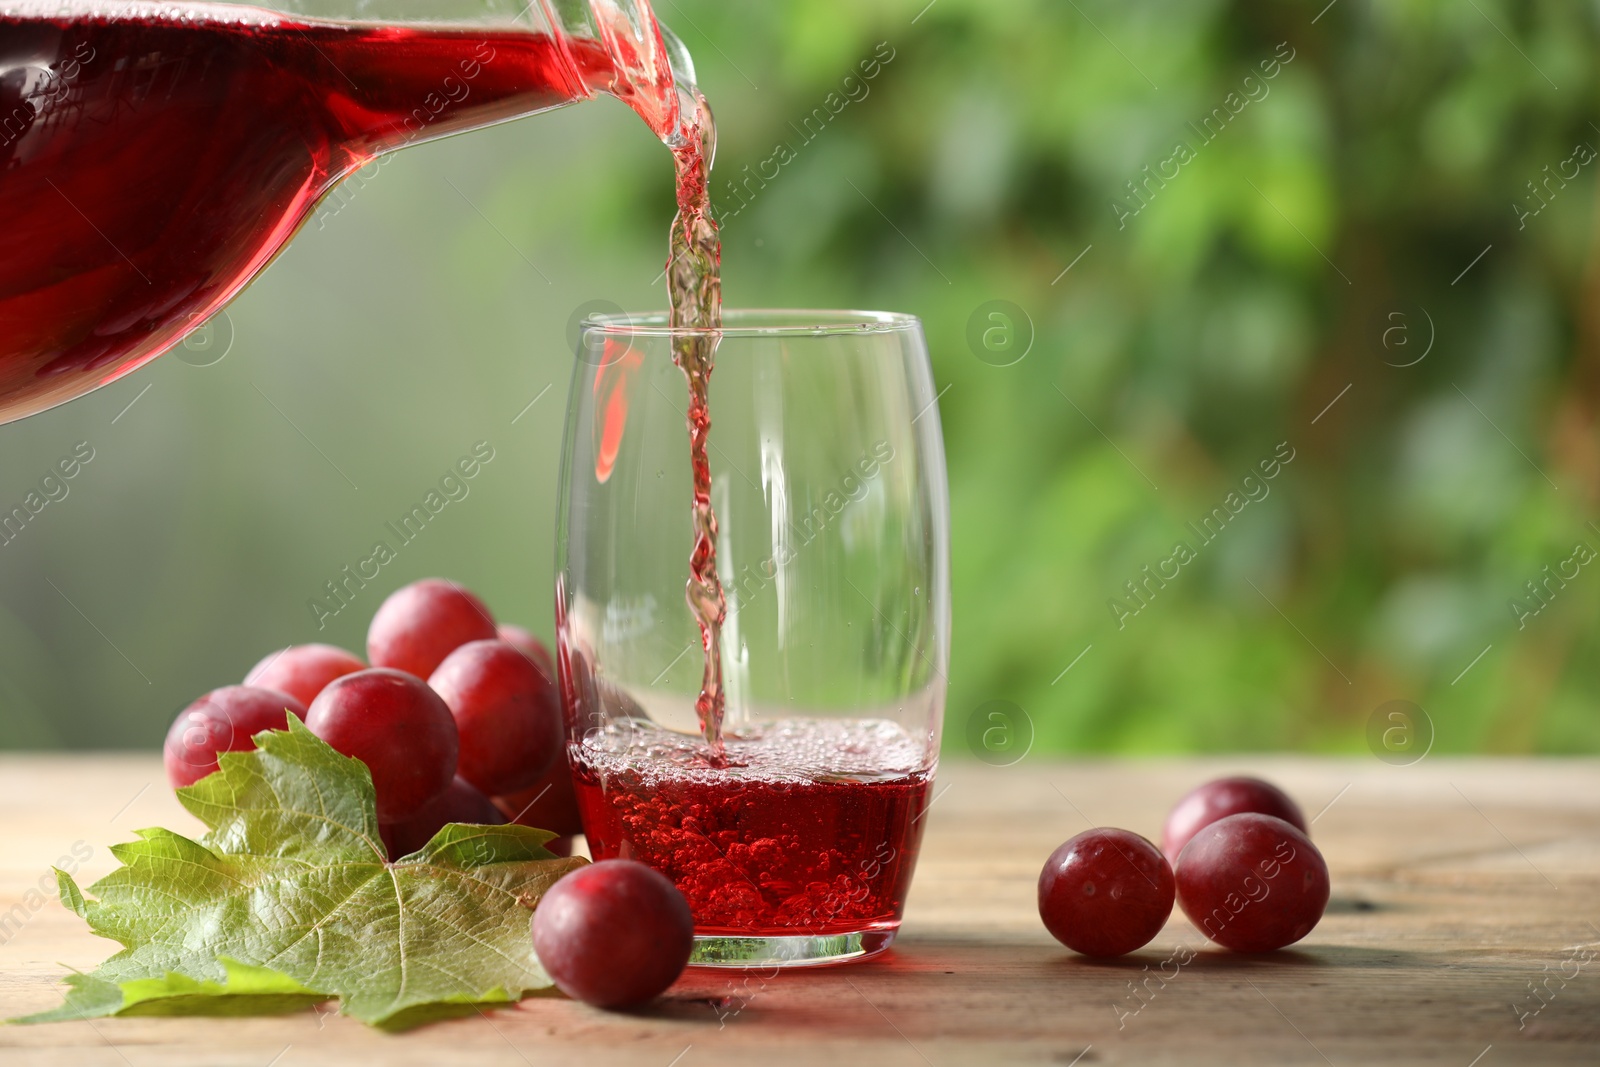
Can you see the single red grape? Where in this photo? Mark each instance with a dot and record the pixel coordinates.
(551, 804)
(506, 711)
(524, 641)
(422, 623)
(224, 720)
(613, 934)
(580, 689)
(460, 802)
(398, 727)
(303, 670)
(1252, 882)
(1220, 798)
(1105, 892)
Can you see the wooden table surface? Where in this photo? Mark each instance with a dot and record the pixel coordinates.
(1466, 905)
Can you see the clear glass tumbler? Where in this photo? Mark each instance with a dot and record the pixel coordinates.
(828, 480)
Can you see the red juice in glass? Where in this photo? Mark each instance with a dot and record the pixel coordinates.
(805, 826)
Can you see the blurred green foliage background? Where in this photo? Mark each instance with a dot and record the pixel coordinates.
(1357, 230)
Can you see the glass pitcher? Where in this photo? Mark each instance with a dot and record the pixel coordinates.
(154, 157)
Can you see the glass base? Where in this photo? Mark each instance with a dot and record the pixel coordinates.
(800, 950)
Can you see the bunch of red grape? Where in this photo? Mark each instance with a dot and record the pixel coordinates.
(457, 718)
(1234, 854)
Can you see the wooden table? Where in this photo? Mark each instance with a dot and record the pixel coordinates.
(1459, 886)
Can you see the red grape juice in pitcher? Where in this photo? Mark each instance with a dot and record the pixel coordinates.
(155, 157)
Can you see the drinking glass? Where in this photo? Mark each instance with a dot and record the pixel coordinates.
(828, 481)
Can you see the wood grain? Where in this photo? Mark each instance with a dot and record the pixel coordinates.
(1459, 886)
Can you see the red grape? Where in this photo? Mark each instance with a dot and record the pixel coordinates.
(460, 802)
(1252, 882)
(506, 711)
(580, 691)
(613, 934)
(551, 803)
(303, 670)
(529, 646)
(422, 623)
(398, 727)
(1220, 798)
(224, 720)
(1105, 892)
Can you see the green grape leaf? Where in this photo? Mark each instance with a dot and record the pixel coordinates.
(289, 900)
(246, 990)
